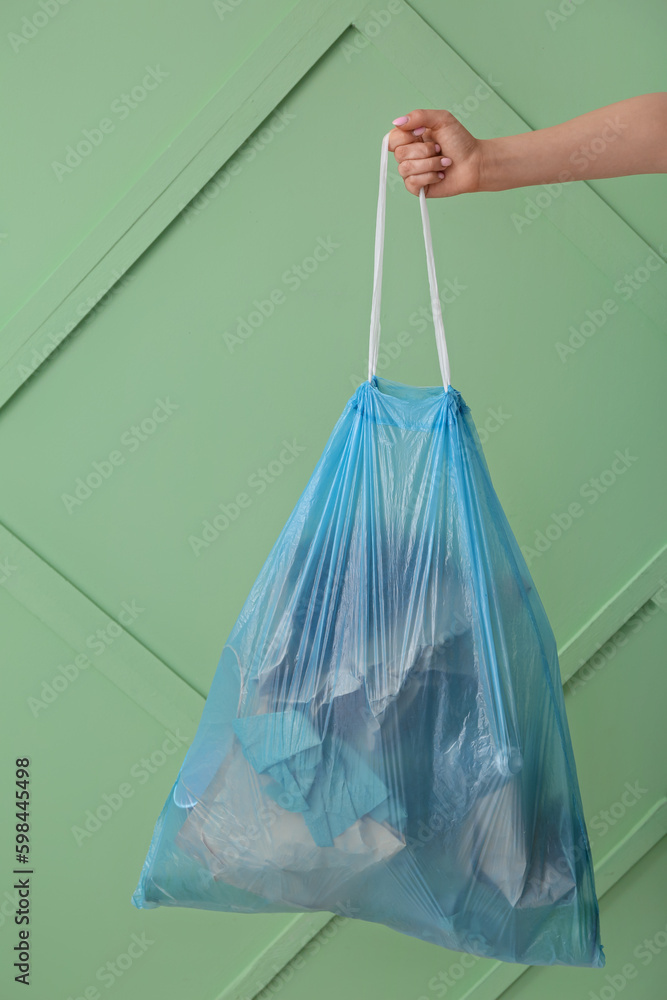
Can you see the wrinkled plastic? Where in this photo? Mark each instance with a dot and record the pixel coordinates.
(385, 736)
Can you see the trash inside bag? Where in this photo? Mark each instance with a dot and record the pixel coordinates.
(385, 736)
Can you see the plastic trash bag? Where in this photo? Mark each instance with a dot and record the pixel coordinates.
(385, 736)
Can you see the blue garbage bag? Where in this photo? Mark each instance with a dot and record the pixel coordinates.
(385, 736)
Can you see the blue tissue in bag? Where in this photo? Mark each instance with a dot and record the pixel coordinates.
(385, 736)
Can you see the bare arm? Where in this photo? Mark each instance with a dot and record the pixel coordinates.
(628, 137)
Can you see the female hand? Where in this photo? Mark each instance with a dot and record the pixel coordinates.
(627, 137)
(441, 137)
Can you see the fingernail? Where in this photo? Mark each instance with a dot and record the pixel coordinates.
(400, 121)
(437, 148)
(418, 131)
(440, 175)
(445, 161)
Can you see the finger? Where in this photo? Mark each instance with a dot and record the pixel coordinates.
(409, 167)
(432, 165)
(414, 182)
(416, 150)
(428, 118)
(398, 138)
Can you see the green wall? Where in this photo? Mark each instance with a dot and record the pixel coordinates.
(225, 141)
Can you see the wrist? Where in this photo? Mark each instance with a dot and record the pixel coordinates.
(496, 165)
(543, 156)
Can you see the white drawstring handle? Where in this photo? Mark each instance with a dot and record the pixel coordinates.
(440, 341)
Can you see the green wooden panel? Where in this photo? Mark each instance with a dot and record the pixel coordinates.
(161, 337)
(172, 63)
(551, 61)
(165, 185)
(288, 103)
(100, 769)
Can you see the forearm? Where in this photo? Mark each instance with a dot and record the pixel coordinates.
(628, 137)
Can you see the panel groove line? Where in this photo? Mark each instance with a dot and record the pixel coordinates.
(492, 983)
(615, 865)
(577, 210)
(177, 175)
(71, 615)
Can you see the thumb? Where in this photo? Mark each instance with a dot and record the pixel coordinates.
(425, 118)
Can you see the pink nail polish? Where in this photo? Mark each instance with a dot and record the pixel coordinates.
(445, 161)
(400, 121)
(418, 131)
(437, 148)
(440, 175)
